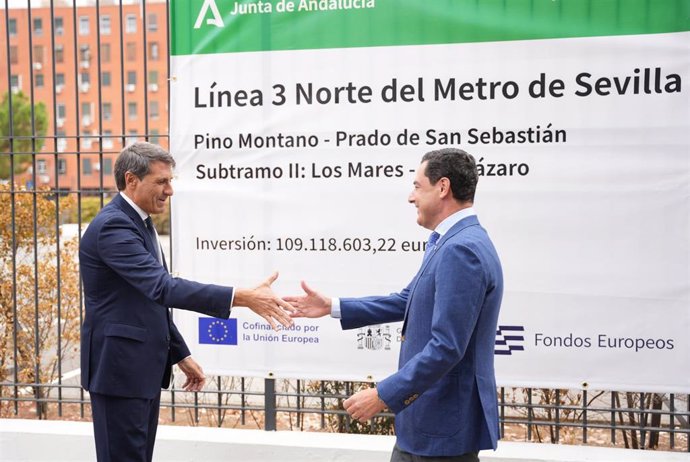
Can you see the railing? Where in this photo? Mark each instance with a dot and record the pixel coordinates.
(600, 418)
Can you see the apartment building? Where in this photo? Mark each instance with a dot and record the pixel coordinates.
(102, 75)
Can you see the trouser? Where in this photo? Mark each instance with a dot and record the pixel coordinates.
(401, 456)
(124, 428)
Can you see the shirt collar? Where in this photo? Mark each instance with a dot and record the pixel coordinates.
(138, 209)
(450, 220)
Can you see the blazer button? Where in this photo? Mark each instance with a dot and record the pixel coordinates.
(167, 338)
(407, 402)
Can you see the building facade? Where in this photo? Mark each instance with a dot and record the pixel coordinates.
(102, 73)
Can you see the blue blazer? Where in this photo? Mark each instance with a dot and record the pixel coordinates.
(444, 393)
(128, 340)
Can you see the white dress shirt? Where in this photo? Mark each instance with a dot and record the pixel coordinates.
(144, 216)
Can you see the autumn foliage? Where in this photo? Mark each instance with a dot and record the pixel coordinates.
(39, 295)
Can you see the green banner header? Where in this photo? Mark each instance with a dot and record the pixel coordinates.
(224, 26)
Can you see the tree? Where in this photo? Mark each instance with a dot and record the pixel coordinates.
(22, 147)
(31, 319)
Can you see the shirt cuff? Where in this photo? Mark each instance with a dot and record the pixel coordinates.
(335, 308)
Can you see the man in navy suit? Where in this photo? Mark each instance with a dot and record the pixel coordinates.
(128, 340)
(444, 392)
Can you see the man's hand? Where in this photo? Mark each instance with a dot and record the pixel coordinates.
(311, 305)
(195, 375)
(264, 302)
(364, 404)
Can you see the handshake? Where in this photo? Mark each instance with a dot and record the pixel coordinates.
(364, 404)
(264, 302)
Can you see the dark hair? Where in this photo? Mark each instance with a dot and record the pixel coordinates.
(137, 158)
(456, 165)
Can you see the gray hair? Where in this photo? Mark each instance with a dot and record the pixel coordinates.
(137, 158)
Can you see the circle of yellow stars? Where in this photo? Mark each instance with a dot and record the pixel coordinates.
(213, 337)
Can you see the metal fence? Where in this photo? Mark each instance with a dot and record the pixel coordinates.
(59, 135)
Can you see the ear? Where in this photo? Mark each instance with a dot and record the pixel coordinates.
(444, 187)
(130, 179)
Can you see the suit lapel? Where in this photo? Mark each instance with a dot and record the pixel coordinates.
(123, 205)
(455, 229)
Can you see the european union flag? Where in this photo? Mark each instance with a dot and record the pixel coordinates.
(213, 331)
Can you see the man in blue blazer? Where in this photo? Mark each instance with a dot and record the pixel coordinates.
(128, 339)
(444, 392)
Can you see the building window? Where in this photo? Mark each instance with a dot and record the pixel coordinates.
(131, 24)
(105, 79)
(155, 137)
(83, 25)
(15, 83)
(86, 118)
(38, 54)
(107, 111)
(153, 109)
(153, 51)
(62, 141)
(105, 24)
(107, 166)
(38, 26)
(41, 167)
(105, 52)
(62, 166)
(84, 78)
(59, 26)
(14, 54)
(153, 80)
(86, 166)
(131, 81)
(39, 80)
(132, 110)
(131, 137)
(107, 139)
(84, 55)
(13, 27)
(60, 79)
(86, 139)
(131, 51)
(152, 22)
(61, 111)
(59, 54)
(153, 77)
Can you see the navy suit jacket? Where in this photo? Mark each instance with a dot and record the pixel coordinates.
(128, 340)
(444, 392)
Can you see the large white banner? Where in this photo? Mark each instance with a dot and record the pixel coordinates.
(302, 161)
